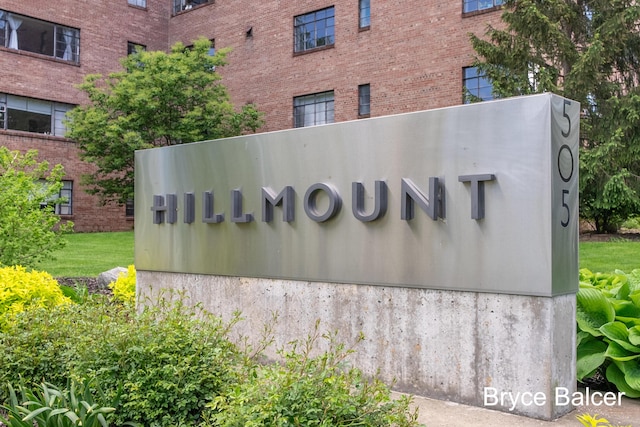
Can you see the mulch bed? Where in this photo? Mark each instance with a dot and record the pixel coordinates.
(90, 282)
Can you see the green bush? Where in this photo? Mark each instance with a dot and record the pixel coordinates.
(165, 363)
(29, 232)
(173, 365)
(309, 391)
(21, 290)
(124, 287)
(608, 316)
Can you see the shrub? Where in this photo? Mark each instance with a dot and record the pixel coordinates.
(21, 290)
(310, 391)
(173, 365)
(608, 316)
(29, 232)
(165, 363)
(124, 288)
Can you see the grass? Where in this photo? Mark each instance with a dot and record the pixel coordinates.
(605, 257)
(89, 254)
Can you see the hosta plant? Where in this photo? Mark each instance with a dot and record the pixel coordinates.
(608, 316)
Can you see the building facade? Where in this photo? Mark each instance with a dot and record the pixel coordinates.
(302, 63)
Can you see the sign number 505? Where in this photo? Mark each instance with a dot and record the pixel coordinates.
(565, 165)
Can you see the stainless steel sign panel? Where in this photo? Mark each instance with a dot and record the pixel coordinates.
(480, 197)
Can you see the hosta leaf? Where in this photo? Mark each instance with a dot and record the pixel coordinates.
(625, 308)
(634, 335)
(616, 352)
(617, 331)
(631, 371)
(617, 377)
(590, 355)
(593, 310)
(583, 336)
(629, 321)
(635, 297)
(623, 292)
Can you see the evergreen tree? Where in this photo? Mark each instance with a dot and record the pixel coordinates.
(588, 51)
(158, 99)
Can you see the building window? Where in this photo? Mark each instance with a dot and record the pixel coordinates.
(61, 202)
(129, 208)
(477, 87)
(364, 100)
(314, 30)
(132, 47)
(311, 110)
(365, 13)
(33, 115)
(32, 35)
(139, 3)
(180, 5)
(475, 5)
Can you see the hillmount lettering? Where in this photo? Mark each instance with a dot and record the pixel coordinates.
(165, 208)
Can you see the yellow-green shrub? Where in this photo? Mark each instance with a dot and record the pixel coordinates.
(124, 288)
(21, 290)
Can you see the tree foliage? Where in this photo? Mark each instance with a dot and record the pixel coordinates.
(589, 51)
(158, 99)
(29, 228)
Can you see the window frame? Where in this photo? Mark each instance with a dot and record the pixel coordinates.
(66, 192)
(57, 112)
(326, 98)
(180, 6)
(364, 14)
(478, 78)
(495, 4)
(132, 46)
(138, 3)
(63, 46)
(364, 108)
(301, 22)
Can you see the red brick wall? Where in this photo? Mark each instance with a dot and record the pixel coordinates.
(412, 55)
(105, 28)
(88, 213)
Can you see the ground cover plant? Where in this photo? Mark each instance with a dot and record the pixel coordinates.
(608, 316)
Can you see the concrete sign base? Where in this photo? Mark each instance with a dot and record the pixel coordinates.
(512, 353)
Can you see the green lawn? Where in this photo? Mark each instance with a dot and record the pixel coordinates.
(605, 257)
(89, 254)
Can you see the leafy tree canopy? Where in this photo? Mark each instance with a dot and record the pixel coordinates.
(29, 228)
(589, 51)
(158, 99)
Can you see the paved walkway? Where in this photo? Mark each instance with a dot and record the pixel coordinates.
(437, 413)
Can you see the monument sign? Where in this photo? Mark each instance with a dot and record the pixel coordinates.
(478, 201)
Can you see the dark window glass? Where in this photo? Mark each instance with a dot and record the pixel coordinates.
(45, 38)
(313, 30)
(32, 115)
(364, 100)
(311, 110)
(474, 5)
(477, 87)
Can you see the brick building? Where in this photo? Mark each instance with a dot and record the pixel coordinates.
(302, 63)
